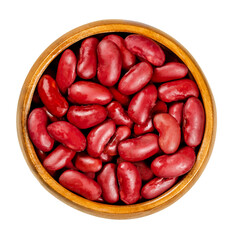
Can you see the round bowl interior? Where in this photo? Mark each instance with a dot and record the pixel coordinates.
(76, 201)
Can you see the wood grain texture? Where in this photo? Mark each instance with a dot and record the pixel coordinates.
(107, 210)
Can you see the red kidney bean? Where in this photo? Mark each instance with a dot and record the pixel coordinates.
(66, 71)
(144, 171)
(68, 135)
(37, 129)
(156, 187)
(58, 158)
(107, 179)
(36, 99)
(177, 164)
(48, 91)
(122, 133)
(69, 165)
(145, 48)
(159, 107)
(105, 157)
(118, 114)
(86, 163)
(41, 155)
(90, 175)
(121, 98)
(140, 148)
(128, 59)
(87, 63)
(193, 122)
(136, 78)
(176, 110)
(51, 117)
(142, 103)
(109, 63)
(81, 184)
(170, 71)
(86, 116)
(169, 132)
(144, 128)
(178, 90)
(129, 181)
(99, 136)
(84, 92)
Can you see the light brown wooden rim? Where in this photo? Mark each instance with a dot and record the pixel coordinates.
(107, 210)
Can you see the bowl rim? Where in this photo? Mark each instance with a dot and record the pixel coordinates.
(76, 201)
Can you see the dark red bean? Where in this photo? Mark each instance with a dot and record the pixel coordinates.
(129, 181)
(58, 158)
(37, 129)
(121, 98)
(140, 148)
(48, 91)
(193, 122)
(105, 157)
(99, 136)
(177, 164)
(176, 110)
(118, 114)
(169, 132)
(107, 179)
(41, 155)
(90, 175)
(145, 48)
(147, 127)
(81, 184)
(144, 171)
(142, 103)
(159, 107)
(86, 163)
(128, 59)
(156, 187)
(170, 71)
(136, 78)
(122, 133)
(86, 116)
(84, 92)
(87, 63)
(69, 165)
(178, 90)
(68, 135)
(51, 117)
(109, 63)
(66, 71)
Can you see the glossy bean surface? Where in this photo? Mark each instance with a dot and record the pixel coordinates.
(136, 78)
(129, 181)
(84, 92)
(81, 184)
(145, 48)
(156, 187)
(144, 170)
(177, 164)
(128, 59)
(176, 110)
(140, 148)
(109, 63)
(121, 98)
(58, 158)
(178, 90)
(117, 113)
(159, 107)
(170, 71)
(140, 107)
(147, 127)
(67, 134)
(99, 136)
(51, 97)
(37, 129)
(193, 122)
(66, 71)
(87, 63)
(169, 132)
(86, 116)
(122, 133)
(86, 163)
(107, 179)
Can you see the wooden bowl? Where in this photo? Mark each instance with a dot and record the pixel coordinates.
(95, 208)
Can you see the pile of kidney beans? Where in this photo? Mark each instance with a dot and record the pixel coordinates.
(118, 121)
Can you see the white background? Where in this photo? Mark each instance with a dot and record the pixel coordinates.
(210, 31)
